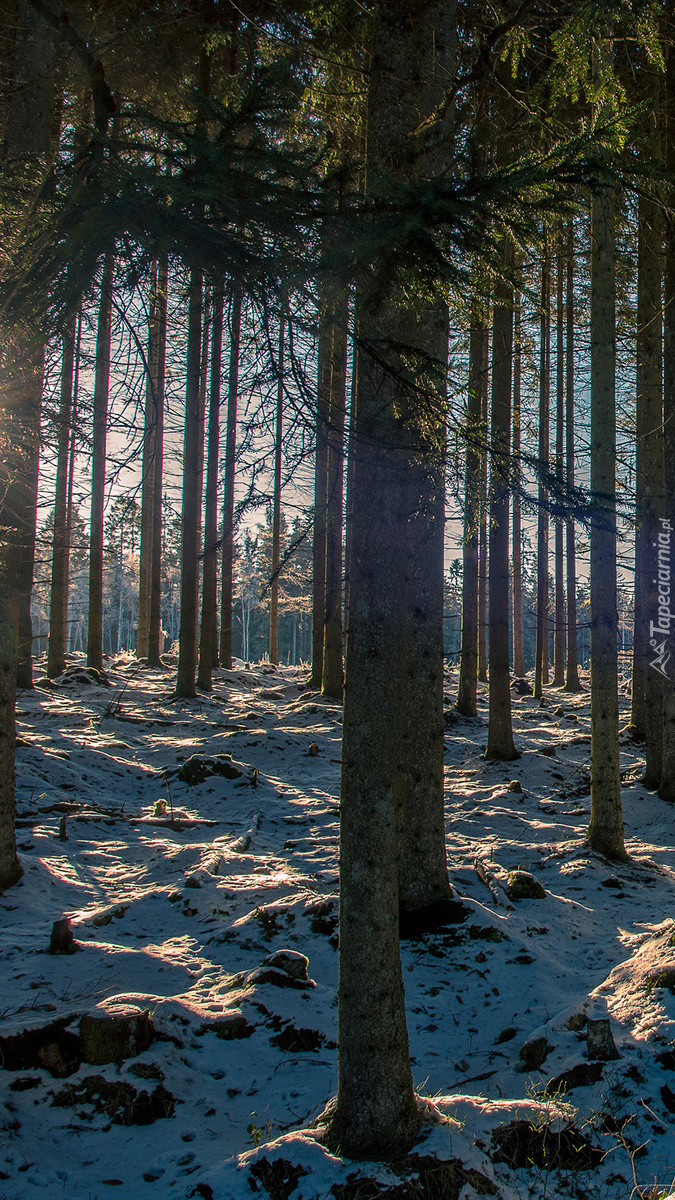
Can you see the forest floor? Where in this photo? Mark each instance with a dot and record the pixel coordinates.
(179, 915)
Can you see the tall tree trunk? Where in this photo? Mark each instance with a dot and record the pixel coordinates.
(155, 639)
(332, 674)
(276, 503)
(664, 560)
(376, 1110)
(541, 660)
(605, 834)
(58, 602)
(98, 461)
(228, 490)
(72, 455)
(21, 500)
(517, 591)
(483, 537)
(208, 639)
(350, 465)
(193, 471)
(324, 372)
(10, 867)
(468, 665)
(572, 681)
(27, 136)
(148, 470)
(500, 744)
(647, 689)
(559, 630)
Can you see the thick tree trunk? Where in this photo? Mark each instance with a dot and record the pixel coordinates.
(193, 471)
(423, 869)
(468, 664)
(332, 673)
(155, 638)
(324, 372)
(19, 505)
(572, 681)
(208, 635)
(276, 502)
(27, 136)
(500, 744)
(541, 659)
(58, 595)
(559, 631)
(517, 590)
(605, 834)
(10, 867)
(98, 461)
(228, 489)
(376, 1112)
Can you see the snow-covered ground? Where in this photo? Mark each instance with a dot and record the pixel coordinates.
(178, 917)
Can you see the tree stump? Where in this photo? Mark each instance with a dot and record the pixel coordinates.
(115, 1032)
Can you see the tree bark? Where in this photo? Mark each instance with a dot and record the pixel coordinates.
(483, 540)
(58, 595)
(10, 867)
(500, 744)
(98, 462)
(276, 503)
(559, 630)
(148, 471)
(468, 665)
(667, 784)
(332, 673)
(155, 638)
(376, 1111)
(517, 590)
(208, 634)
(541, 660)
(325, 353)
(572, 681)
(28, 136)
(647, 689)
(605, 834)
(228, 489)
(193, 471)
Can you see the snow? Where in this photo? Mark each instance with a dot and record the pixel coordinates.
(178, 917)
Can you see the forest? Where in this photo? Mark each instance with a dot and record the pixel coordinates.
(337, 666)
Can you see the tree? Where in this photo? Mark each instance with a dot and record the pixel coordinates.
(559, 621)
(208, 644)
(517, 589)
(541, 666)
(667, 783)
(605, 832)
(228, 487)
(58, 614)
(500, 742)
(332, 679)
(647, 689)
(572, 682)
(468, 667)
(149, 599)
(375, 1110)
(98, 465)
(193, 471)
(276, 502)
(323, 384)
